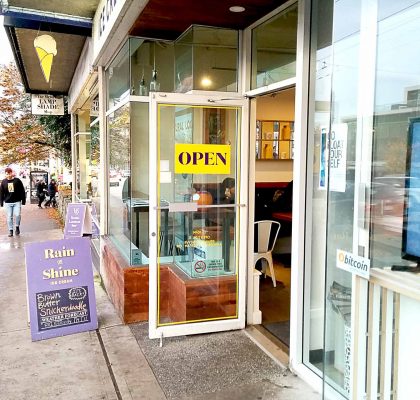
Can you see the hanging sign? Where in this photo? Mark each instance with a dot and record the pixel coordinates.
(94, 108)
(202, 159)
(78, 221)
(338, 157)
(353, 263)
(47, 104)
(61, 294)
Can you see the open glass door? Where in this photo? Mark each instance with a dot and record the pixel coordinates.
(198, 187)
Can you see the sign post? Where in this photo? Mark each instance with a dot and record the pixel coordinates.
(61, 294)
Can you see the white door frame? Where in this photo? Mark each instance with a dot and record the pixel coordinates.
(301, 198)
(241, 251)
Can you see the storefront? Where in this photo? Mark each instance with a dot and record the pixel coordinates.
(184, 137)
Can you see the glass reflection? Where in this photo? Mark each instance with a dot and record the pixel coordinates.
(274, 49)
(197, 248)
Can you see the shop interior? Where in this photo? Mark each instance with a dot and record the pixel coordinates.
(274, 147)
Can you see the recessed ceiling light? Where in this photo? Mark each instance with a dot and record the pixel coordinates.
(206, 82)
(237, 9)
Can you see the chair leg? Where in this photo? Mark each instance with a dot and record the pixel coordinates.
(273, 276)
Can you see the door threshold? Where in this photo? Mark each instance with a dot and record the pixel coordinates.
(267, 342)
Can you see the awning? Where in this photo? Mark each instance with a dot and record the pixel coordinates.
(69, 32)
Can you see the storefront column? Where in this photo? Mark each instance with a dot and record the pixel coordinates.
(103, 145)
(73, 157)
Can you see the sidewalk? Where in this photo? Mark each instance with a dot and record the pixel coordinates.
(119, 361)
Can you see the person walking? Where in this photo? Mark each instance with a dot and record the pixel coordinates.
(12, 196)
(41, 188)
(52, 190)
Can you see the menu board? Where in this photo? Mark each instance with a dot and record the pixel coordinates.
(61, 294)
(63, 307)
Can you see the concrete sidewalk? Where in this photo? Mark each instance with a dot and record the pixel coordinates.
(119, 361)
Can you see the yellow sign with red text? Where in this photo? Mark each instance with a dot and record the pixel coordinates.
(202, 159)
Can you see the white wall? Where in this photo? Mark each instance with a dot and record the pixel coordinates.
(277, 106)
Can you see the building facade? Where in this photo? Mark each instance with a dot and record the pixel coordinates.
(189, 126)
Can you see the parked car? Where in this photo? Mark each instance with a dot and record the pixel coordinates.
(114, 178)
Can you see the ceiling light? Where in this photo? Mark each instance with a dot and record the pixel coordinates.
(206, 82)
(237, 9)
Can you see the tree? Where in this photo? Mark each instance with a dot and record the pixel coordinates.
(25, 137)
(58, 128)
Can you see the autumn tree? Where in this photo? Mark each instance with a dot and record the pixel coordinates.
(25, 137)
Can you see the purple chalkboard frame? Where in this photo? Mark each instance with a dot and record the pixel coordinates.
(45, 261)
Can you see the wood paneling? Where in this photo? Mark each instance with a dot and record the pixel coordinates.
(168, 19)
(181, 298)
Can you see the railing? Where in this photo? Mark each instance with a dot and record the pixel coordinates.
(386, 344)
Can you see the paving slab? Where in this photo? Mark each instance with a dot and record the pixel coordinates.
(120, 362)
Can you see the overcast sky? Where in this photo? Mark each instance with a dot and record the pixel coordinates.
(5, 51)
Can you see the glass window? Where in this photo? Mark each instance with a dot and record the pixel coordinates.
(83, 191)
(95, 177)
(118, 77)
(274, 49)
(152, 66)
(129, 181)
(206, 58)
(389, 124)
(136, 181)
(197, 244)
(342, 134)
(333, 121)
(395, 187)
(313, 345)
(119, 160)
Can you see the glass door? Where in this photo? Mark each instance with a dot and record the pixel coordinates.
(198, 190)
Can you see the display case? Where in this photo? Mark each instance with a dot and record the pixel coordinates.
(274, 140)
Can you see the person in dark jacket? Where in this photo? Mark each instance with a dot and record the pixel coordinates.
(41, 189)
(52, 190)
(12, 196)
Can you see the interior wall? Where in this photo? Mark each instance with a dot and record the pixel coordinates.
(277, 106)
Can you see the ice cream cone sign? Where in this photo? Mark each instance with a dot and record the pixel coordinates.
(46, 49)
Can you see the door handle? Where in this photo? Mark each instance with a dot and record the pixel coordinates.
(153, 234)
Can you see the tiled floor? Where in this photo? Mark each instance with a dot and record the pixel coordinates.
(275, 301)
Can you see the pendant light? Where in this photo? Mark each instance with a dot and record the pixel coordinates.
(154, 83)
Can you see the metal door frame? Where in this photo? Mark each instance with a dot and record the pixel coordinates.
(241, 250)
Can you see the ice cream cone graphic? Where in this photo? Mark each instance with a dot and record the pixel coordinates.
(46, 49)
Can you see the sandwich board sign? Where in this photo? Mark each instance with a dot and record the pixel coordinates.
(61, 294)
(78, 221)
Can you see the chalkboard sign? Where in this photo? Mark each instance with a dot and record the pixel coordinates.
(61, 294)
(63, 307)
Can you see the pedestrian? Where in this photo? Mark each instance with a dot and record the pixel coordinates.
(41, 189)
(13, 196)
(52, 190)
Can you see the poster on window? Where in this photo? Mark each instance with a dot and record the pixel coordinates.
(323, 159)
(338, 157)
